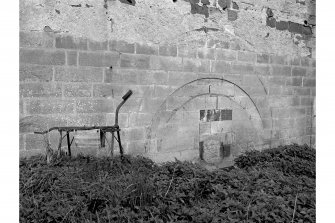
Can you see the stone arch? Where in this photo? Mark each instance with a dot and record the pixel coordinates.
(180, 127)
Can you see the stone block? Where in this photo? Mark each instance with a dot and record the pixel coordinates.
(309, 82)
(246, 56)
(134, 134)
(42, 57)
(242, 68)
(227, 55)
(72, 58)
(306, 62)
(166, 63)
(187, 51)
(82, 74)
(47, 106)
(160, 77)
(140, 119)
(263, 58)
(36, 39)
(35, 142)
(281, 70)
(206, 53)
(109, 90)
(21, 142)
(196, 65)
(97, 45)
(152, 105)
(32, 123)
(40, 90)
(136, 147)
(78, 90)
(205, 128)
(146, 49)
(298, 71)
(162, 91)
(294, 81)
(98, 59)
(295, 61)
(180, 78)
(32, 73)
(220, 66)
(68, 42)
(275, 59)
(302, 91)
(276, 81)
(263, 70)
(168, 50)
(135, 61)
(86, 119)
(94, 106)
(121, 46)
(307, 101)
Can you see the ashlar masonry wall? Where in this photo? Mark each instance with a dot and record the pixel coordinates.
(211, 101)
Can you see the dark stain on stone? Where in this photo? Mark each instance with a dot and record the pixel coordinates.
(294, 27)
(88, 6)
(235, 6)
(306, 30)
(282, 25)
(232, 14)
(129, 2)
(196, 9)
(202, 114)
(47, 29)
(302, 2)
(57, 11)
(303, 29)
(216, 114)
(223, 4)
(210, 116)
(226, 114)
(79, 5)
(269, 12)
(201, 150)
(105, 4)
(224, 150)
(270, 21)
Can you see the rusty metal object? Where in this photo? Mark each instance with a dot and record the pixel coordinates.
(103, 130)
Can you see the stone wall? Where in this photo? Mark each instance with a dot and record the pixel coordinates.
(198, 95)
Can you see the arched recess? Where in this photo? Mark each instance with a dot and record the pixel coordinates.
(212, 119)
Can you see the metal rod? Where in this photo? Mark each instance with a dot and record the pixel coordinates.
(120, 146)
(68, 143)
(102, 138)
(112, 146)
(60, 143)
(75, 128)
(125, 98)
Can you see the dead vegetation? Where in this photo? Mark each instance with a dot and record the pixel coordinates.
(276, 185)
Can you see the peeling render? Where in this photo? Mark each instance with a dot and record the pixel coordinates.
(271, 26)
